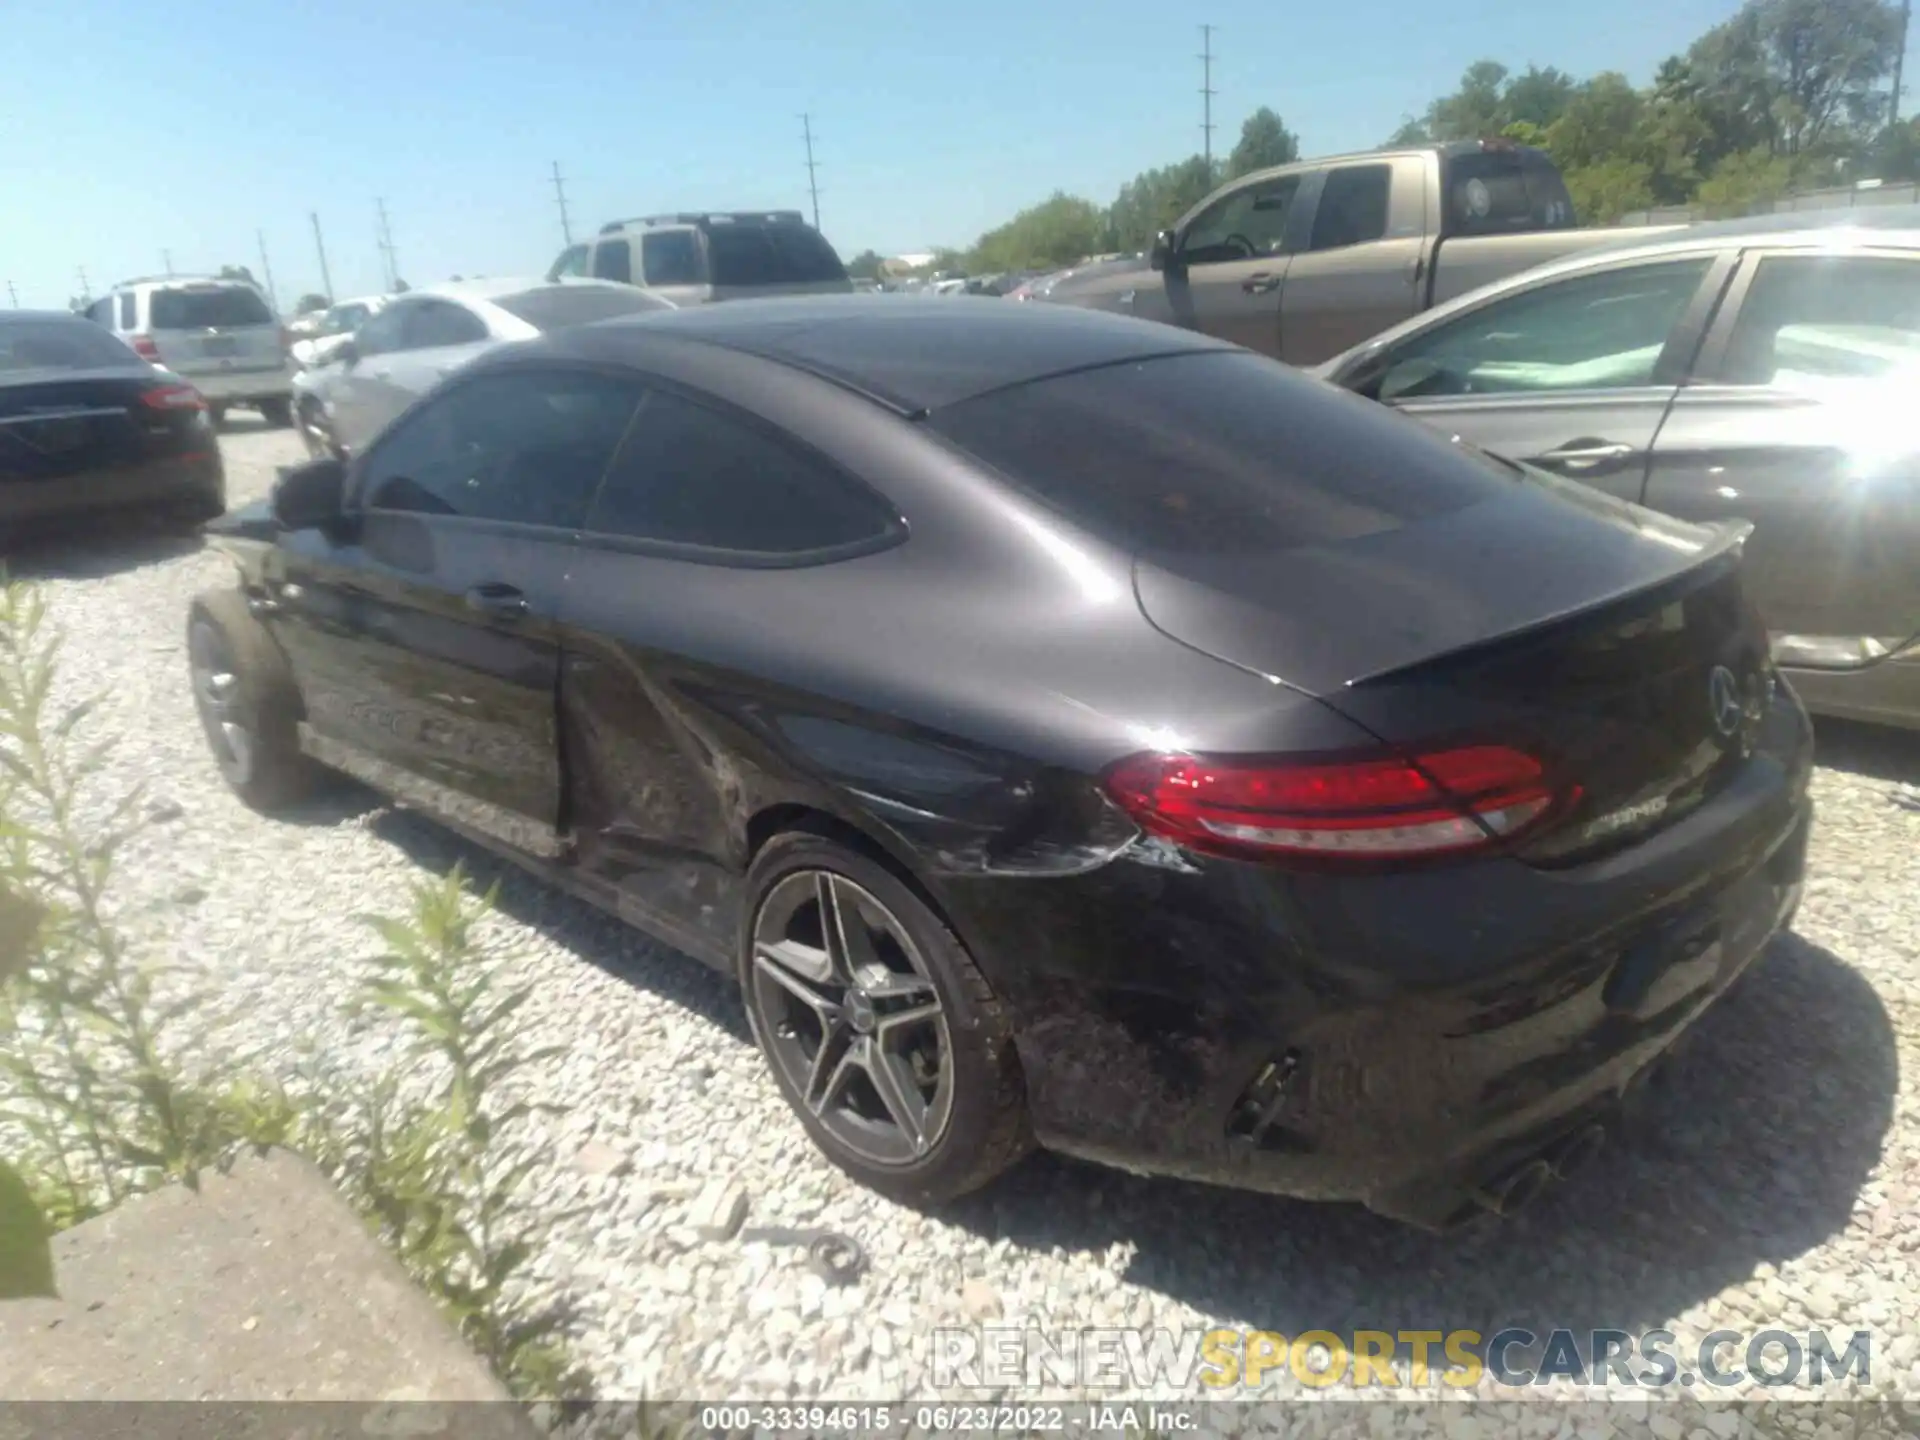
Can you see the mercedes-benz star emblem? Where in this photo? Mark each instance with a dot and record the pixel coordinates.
(1723, 701)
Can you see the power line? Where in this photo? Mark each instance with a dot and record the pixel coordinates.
(386, 246)
(326, 280)
(560, 194)
(266, 267)
(813, 188)
(1207, 92)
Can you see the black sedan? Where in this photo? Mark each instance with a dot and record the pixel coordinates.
(1068, 729)
(88, 428)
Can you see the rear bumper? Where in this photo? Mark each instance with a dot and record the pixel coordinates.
(239, 387)
(199, 482)
(1398, 1040)
(1883, 694)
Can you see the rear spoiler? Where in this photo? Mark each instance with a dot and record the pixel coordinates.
(1730, 538)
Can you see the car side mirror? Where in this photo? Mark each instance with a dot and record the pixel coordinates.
(1162, 251)
(311, 496)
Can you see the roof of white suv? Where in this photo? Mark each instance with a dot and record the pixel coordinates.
(492, 289)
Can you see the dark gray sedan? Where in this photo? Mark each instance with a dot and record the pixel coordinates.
(1757, 369)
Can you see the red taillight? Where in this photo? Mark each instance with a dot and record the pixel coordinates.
(173, 397)
(1370, 807)
(144, 347)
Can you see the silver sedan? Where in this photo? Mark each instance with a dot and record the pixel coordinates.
(419, 338)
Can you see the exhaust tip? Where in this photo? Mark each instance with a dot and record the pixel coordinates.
(1517, 1190)
(1577, 1151)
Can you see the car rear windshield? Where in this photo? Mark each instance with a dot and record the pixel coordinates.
(771, 255)
(1503, 192)
(564, 305)
(214, 308)
(59, 345)
(1216, 453)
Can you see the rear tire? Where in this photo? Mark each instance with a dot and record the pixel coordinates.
(248, 702)
(277, 413)
(900, 1065)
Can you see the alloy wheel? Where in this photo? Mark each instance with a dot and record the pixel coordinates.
(216, 695)
(849, 1014)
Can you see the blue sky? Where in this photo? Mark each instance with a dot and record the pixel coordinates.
(128, 129)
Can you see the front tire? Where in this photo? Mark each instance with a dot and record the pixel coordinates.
(248, 703)
(879, 1029)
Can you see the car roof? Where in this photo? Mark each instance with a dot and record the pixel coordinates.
(913, 355)
(493, 289)
(1887, 225)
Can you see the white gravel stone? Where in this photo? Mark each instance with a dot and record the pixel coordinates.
(1783, 1175)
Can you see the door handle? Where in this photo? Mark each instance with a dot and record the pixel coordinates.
(1261, 282)
(500, 602)
(1587, 455)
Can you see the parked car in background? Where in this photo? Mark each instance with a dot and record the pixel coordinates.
(1064, 728)
(1301, 261)
(88, 428)
(418, 339)
(220, 334)
(1088, 275)
(694, 258)
(335, 326)
(1754, 370)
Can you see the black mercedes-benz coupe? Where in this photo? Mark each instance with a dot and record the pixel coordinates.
(1068, 729)
(89, 428)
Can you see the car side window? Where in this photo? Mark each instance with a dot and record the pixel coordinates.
(1589, 332)
(384, 332)
(433, 323)
(1813, 321)
(1249, 223)
(524, 447)
(572, 262)
(613, 260)
(1353, 206)
(695, 475)
(670, 257)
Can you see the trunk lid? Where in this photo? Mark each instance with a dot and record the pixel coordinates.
(1584, 630)
(74, 422)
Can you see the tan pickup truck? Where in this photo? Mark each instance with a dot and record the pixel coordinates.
(1303, 261)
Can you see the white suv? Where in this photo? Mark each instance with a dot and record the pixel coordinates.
(693, 259)
(219, 334)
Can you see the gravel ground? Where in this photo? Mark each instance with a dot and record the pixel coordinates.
(1784, 1192)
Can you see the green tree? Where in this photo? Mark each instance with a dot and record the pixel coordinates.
(1605, 191)
(310, 303)
(864, 266)
(1154, 199)
(1056, 232)
(1265, 141)
(1536, 96)
(1600, 122)
(1740, 182)
(1487, 101)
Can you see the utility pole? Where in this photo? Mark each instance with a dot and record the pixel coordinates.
(1906, 15)
(560, 194)
(1207, 93)
(326, 280)
(86, 285)
(813, 187)
(166, 259)
(13, 295)
(266, 268)
(386, 245)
